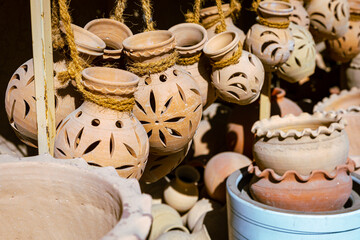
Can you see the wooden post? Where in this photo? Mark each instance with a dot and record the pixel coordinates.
(43, 70)
(265, 97)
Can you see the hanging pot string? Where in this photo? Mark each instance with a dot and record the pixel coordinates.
(118, 11)
(147, 8)
(57, 40)
(75, 67)
(222, 26)
(234, 59)
(266, 22)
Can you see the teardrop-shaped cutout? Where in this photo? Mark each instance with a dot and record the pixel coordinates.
(130, 150)
(78, 138)
(27, 108)
(175, 119)
(91, 147)
(111, 145)
(140, 107)
(94, 164)
(123, 167)
(162, 138)
(61, 151)
(173, 132)
(152, 101)
(166, 105)
(181, 93)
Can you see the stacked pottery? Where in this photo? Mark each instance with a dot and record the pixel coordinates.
(302, 162)
(20, 101)
(345, 48)
(104, 136)
(299, 15)
(353, 73)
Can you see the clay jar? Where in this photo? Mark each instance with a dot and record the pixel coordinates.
(112, 32)
(272, 45)
(208, 15)
(168, 103)
(103, 136)
(328, 19)
(347, 105)
(240, 82)
(299, 15)
(190, 41)
(301, 143)
(182, 192)
(353, 73)
(317, 192)
(345, 48)
(301, 63)
(20, 101)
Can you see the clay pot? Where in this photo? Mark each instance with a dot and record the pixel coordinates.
(197, 211)
(239, 83)
(218, 169)
(112, 32)
(207, 15)
(103, 136)
(299, 15)
(190, 41)
(329, 18)
(302, 61)
(301, 143)
(318, 192)
(346, 104)
(273, 46)
(47, 198)
(168, 104)
(353, 73)
(165, 219)
(182, 192)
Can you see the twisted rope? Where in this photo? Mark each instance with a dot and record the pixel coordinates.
(189, 60)
(146, 5)
(265, 22)
(222, 26)
(118, 11)
(234, 59)
(57, 40)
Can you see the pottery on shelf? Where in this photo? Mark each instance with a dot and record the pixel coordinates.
(103, 136)
(182, 192)
(112, 32)
(352, 73)
(299, 15)
(218, 169)
(168, 104)
(329, 19)
(208, 15)
(273, 46)
(302, 61)
(347, 105)
(238, 83)
(46, 198)
(301, 143)
(190, 41)
(318, 192)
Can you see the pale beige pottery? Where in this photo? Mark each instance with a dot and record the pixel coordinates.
(47, 198)
(103, 136)
(352, 73)
(299, 15)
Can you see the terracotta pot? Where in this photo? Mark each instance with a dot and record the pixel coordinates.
(239, 137)
(302, 61)
(168, 104)
(190, 41)
(182, 192)
(47, 198)
(239, 83)
(301, 143)
(200, 208)
(112, 32)
(329, 18)
(207, 15)
(353, 73)
(346, 104)
(103, 136)
(218, 169)
(299, 15)
(273, 46)
(318, 192)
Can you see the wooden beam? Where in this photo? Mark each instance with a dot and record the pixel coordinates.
(265, 97)
(44, 76)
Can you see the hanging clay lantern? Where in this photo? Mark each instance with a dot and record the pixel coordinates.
(347, 47)
(329, 19)
(353, 73)
(302, 61)
(299, 15)
(210, 19)
(112, 32)
(270, 39)
(20, 101)
(104, 136)
(190, 41)
(238, 81)
(168, 101)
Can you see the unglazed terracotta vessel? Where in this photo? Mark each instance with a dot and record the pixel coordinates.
(218, 169)
(347, 105)
(320, 191)
(207, 15)
(182, 192)
(47, 198)
(299, 15)
(273, 46)
(103, 136)
(190, 41)
(301, 143)
(20, 101)
(302, 61)
(352, 73)
(238, 83)
(168, 104)
(112, 32)
(198, 210)
(328, 18)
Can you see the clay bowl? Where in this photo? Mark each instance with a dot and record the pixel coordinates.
(46, 198)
